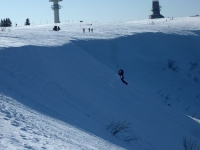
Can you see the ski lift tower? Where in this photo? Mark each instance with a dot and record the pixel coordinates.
(56, 8)
(156, 10)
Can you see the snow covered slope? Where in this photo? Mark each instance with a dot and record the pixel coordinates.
(22, 128)
(60, 90)
(43, 35)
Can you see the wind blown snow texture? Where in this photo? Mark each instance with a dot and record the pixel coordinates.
(44, 36)
(31, 130)
(60, 90)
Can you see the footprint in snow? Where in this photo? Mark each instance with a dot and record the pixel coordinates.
(15, 123)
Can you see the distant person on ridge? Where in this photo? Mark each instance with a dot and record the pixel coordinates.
(121, 74)
(55, 28)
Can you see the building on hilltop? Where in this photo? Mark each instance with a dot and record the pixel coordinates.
(156, 10)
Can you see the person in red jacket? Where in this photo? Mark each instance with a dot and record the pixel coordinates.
(121, 74)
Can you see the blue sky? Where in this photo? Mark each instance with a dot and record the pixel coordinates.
(39, 11)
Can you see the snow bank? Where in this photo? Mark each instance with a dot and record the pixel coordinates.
(22, 128)
(44, 35)
(67, 80)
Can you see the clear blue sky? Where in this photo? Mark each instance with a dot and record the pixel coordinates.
(39, 11)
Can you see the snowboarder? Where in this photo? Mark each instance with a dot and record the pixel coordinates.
(121, 74)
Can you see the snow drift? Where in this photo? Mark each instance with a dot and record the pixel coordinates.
(67, 83)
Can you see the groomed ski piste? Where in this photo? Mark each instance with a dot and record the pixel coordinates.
(59, 90)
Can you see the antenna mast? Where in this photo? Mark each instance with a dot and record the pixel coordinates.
(56, 8)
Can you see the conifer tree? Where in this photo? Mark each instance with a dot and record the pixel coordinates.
(5, 23)
(27, 23)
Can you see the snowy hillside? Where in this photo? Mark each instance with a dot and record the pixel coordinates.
(60, 90)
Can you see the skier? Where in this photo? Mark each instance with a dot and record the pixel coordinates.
(121, 74)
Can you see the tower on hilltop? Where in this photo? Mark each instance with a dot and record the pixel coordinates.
(56, 8)
(156, 10)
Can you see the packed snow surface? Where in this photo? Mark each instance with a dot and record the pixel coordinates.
(43, 35)
(60, 89)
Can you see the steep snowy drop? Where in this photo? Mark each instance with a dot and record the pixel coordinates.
(60, 90)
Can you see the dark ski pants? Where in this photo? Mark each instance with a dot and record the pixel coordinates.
(124, 81)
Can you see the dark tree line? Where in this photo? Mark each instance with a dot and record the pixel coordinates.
(5, 23)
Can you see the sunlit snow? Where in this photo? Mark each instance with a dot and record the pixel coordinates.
(60, 89)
